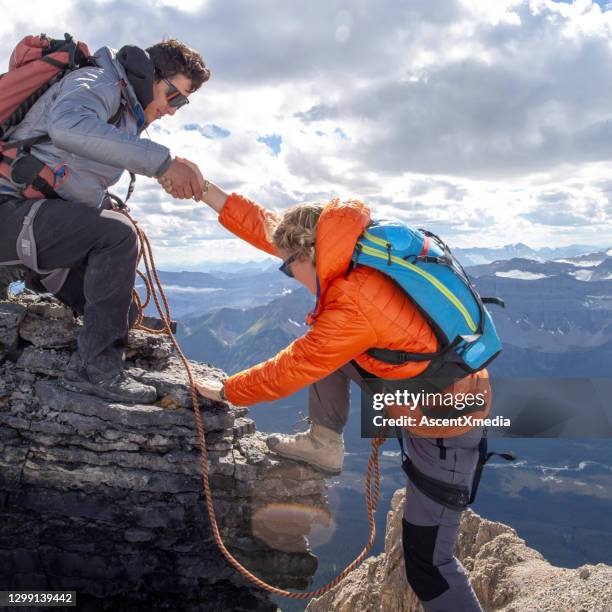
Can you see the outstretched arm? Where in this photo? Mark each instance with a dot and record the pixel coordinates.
(341, 332)
(241, 216)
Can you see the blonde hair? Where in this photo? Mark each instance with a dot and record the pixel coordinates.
(296, 230)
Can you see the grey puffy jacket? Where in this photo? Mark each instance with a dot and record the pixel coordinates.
(75, 113)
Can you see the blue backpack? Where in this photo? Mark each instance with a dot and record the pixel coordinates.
(424, 267)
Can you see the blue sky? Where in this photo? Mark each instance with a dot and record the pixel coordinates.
(487, 122)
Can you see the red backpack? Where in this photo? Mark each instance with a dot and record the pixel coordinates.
(36, 63)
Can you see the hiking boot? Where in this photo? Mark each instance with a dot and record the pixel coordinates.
(119, 388)
(320, 447)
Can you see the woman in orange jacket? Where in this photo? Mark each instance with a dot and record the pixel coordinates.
(357, 308)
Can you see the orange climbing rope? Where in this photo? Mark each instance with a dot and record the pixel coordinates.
(153, 286)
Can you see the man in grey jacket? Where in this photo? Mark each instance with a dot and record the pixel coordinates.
(72, 243)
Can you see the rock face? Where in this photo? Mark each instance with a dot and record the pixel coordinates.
(106, 499)
(506, 574)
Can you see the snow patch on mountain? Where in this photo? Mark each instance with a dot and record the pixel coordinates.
(582, 275)
(521, 274)
(581, 263)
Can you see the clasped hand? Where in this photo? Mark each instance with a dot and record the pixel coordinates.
(183, 180)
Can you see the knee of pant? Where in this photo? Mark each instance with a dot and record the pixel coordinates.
(423, 576)
(123, 232)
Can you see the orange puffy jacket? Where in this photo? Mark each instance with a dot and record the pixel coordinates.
(354, 313)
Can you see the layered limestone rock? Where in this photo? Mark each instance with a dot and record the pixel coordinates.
(106, 499)
(506, 574)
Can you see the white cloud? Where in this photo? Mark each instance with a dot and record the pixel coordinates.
(488, 122)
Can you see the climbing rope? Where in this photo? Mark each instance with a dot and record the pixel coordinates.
(153, 287)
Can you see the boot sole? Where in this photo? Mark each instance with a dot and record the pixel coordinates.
(93, 390)
(319, 467)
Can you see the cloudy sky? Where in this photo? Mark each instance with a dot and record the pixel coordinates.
(487, 121)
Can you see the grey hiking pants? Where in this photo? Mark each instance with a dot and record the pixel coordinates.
(100, 248)
(429, 528)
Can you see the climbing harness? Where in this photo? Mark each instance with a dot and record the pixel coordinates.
(451, 496)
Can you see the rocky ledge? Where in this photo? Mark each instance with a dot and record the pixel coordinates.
(106, 499)
(506, 574)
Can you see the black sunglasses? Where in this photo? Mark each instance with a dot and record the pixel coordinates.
(285, 267)
(175, 98)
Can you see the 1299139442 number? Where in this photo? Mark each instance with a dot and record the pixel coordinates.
(37, 598)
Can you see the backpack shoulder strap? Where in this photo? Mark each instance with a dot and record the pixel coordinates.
(114, 120)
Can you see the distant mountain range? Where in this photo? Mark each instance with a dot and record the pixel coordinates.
(556, 326)
(481, 255)
(584, 267)
(557, 320)
(235, 267)
(234, 339)
(472, 256)
(195, 293)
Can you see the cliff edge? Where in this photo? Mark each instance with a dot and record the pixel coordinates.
(506, 574)
(106, 499)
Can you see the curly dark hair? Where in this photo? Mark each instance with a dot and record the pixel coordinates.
(172, 57)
